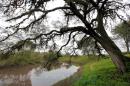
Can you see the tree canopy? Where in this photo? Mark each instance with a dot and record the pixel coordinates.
(89, 18)
(123, 31)
(89, 46)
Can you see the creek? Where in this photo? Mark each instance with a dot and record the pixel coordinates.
(35, 75)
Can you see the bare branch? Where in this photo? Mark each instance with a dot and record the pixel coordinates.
(37, 10)
(66, 42)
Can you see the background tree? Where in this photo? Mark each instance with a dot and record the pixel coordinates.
(89, 46)
(92, 15)
(29, 45)
(122, 31)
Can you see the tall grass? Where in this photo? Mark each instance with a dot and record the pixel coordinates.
(102, 73)
(79, 60)
(22, 58)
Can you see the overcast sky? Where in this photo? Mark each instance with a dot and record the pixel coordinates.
(54, 16)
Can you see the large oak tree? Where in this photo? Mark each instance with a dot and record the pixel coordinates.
(91, 14)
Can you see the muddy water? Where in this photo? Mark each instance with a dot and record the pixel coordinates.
(34, 76)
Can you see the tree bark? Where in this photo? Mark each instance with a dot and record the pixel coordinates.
(105, 41)
(115, 53)
(111, 48)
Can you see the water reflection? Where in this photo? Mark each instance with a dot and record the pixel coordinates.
(15, 76)
(35, 76)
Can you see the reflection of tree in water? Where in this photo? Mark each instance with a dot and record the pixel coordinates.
(15, 76)
(21, 76)
(51, 66)
(47, 67)
(51, 61)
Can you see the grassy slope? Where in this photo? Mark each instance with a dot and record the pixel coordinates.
(22, 58)
(94, 73)
(102, 73)
(80, 61)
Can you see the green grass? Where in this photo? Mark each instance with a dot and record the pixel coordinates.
(102, 73)
(94, 72)
(22, 58)
(79, 60)
(128, 55)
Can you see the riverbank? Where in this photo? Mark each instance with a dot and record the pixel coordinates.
(80, 61)
(70, 80)
(102, 73)
(96, 73)
(22, 58)
(93, 71)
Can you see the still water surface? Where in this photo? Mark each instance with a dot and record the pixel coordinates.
(35, 76)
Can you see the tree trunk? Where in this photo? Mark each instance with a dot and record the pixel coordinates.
(111, 48)
(127, 46)
(114, 52)
(100, 35)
